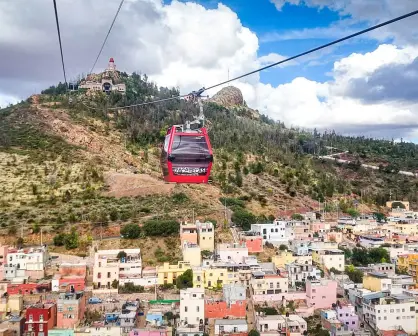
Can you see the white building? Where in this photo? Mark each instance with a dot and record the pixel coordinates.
(274, 233)
(390, 313)
(27, 262)
(293, 325)
(370, 241)
(301, 272)
(235, 253)
(227, 326)
(192, 308)
(104, 82)
(108, 267)
(332, 258)
(269, 284)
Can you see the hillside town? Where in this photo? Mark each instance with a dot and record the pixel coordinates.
(315, 283)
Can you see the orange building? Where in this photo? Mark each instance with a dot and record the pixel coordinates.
(221, 309)
(252, 242)
(188, 232)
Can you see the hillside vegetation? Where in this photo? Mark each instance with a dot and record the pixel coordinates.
(62, 164)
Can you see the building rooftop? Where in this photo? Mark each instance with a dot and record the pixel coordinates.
(230, 322)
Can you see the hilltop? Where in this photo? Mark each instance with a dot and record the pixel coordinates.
(64, 163)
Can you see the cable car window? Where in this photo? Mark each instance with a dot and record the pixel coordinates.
(166, 143)
(187, 144)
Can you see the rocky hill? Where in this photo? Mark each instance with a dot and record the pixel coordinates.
(62, 164)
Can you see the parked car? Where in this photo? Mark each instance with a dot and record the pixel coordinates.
(111, 300)
(94, 300)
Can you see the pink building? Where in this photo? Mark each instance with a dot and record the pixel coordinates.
(3, 259)
(346, 314)
(71, 309)
(335, 236)
(188, 232)
(321, 293)
(318, 227)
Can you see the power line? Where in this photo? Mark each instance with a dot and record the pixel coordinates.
(380, 25)
(108, 33)
(59, 39)
(364, 31)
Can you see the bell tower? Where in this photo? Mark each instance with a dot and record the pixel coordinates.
(111, 66)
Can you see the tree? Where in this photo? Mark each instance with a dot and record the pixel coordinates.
(206, 254)
(353, 212)
(71, 240)
(19, 242)
(185, 280)
(59, 239)
(131, 231)
(297, 216)
(115, 284)
(283, 247)
(121, 254)
(254, 332)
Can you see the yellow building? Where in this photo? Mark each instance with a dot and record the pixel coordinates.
(13, 304)
(376, 282)
(192, 254)
(407, 228)
(413, 270)
(283, 258)
(286, 257)
(215, 277)
(167, 274)
(198, 277)
(206, 236)
(404, 260)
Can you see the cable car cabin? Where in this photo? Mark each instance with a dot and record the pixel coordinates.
(186, 156)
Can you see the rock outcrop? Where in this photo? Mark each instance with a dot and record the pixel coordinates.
(228, 97)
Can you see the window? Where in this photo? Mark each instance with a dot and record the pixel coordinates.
(41, 318)
(197, 308)
(41, 327)
(108, 274)
(30, 317)
(185, 309)
(412, 308)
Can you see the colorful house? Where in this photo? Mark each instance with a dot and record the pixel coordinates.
(321, 293)
(167, 274)
(40, 319)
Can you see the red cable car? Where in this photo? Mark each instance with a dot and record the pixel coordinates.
(186, 156)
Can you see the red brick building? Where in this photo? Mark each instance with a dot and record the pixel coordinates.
(40, 318)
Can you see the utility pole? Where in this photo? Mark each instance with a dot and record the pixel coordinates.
(101, 231)
(21, 233)
(41, 235)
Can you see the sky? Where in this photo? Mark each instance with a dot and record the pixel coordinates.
(364, 86)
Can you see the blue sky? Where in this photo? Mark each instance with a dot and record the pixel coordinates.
(264, 20)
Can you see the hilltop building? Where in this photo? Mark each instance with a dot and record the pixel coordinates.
(107, 81)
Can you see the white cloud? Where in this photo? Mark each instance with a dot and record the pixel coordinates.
(358, 11)
(186, 45)
(311, 104)
(7, 100)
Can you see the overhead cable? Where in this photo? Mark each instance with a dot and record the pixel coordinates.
(60, 43)
(107, 35)
(364, 31)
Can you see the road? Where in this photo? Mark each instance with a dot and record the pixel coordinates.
(333, 158)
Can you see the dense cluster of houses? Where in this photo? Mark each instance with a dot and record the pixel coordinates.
(232, 289)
